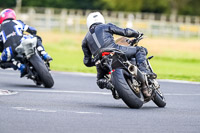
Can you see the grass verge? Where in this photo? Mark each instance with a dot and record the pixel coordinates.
(174, 58)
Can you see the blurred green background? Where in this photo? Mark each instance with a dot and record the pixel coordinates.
(184, 7)
(172, 28)
(174, 58)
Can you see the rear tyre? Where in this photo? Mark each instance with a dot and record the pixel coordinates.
(42, 71)
(124, 90)
(159, 99)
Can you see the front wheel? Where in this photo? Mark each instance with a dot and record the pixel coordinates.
(159, 99)
(42, 71)
(125, 92)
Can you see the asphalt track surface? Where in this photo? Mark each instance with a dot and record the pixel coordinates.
(76, 105)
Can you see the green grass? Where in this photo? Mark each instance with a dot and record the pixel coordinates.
(68, 56)
(177, 68)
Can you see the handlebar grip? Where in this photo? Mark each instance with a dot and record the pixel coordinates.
(128, 41)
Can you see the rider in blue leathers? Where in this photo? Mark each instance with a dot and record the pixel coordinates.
(11, 35)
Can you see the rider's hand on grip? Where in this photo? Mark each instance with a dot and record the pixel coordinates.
(136, 40)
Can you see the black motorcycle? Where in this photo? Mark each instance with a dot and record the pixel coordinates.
(126, 78)
(36, 68)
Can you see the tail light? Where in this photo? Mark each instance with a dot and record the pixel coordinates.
(111, 71)
(105, 53)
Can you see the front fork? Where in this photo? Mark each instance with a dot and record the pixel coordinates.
(148, 63)
(154, 83)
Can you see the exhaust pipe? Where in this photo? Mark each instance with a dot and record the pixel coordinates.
(132, 69)
(137, 73)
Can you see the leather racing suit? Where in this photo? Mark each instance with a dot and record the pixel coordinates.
(101, 36)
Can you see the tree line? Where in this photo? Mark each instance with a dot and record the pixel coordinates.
(181, 7)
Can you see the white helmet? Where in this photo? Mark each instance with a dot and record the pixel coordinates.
(95, 17)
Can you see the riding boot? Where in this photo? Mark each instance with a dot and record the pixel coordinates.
(22, 69)
(44, 54)
(47, 57)
(145, 91)
(104, 83)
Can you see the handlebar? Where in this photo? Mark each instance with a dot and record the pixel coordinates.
(135, 40)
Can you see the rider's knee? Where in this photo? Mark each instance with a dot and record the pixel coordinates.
(142, 49)
(7, 54)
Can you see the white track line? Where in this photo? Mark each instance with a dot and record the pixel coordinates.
(178, 81)
(7, 92)
(52, 111)
(94, 75)
(59, 91)
(99, 93)
(76, 73)
(11, 72)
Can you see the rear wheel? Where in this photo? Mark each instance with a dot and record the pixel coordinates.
(42, 71)
(125, 92)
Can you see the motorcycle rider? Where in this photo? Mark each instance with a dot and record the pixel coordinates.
(100, 35)
(11, 35)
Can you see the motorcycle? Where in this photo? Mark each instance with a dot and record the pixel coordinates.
(36, 68)
(126, 78)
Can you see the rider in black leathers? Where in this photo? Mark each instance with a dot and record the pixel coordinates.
(100, 35)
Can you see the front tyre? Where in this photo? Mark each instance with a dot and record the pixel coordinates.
(159, 99)
(42, 71)
(124, 90)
